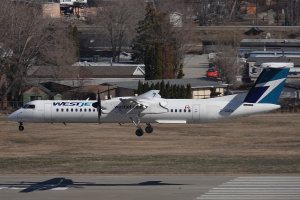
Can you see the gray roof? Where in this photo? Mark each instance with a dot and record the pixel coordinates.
(86, 72)
(259, 60)
(194, 82)
(281, 42)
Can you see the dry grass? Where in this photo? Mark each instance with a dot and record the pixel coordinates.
(258, 144)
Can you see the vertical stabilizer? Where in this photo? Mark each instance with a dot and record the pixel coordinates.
(269, 84)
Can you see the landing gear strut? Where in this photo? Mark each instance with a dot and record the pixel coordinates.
(21, 127)
(139, 131)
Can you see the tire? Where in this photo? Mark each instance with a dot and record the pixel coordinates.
(149, 129)
(21, 128)
(139, 132)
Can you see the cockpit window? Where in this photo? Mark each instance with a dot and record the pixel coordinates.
(29, 106)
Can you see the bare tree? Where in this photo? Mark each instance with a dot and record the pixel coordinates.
(27, 38)
(119, 20)
(181, 32)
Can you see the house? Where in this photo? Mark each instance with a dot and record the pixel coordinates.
(176, 19)
(84, 73)
(106, 91)
(51, 10)
(39, 92)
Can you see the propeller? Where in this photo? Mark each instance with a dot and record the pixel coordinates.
(108, 92)
(99, 107)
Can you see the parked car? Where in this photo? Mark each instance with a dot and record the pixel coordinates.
(212, 73)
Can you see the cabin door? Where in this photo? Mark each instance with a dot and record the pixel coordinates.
(196, 113)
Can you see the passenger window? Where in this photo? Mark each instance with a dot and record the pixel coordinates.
(85, 110)
(184, 110)
(57, 109)
(180, 110)
(62, 110)
(80, 110)
(189, 110)
(76, 110)
(175, 110)
(71, 109)
(67, 110)
(171, 110)
(94, 110)
(90, 110)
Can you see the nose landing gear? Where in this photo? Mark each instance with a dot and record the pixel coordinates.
(139, 132)
(21, 127)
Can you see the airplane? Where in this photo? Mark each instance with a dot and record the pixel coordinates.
(150, 108)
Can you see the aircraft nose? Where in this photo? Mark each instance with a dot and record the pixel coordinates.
(13, 116)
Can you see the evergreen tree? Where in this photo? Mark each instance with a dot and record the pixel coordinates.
(155, 45)
(74, 34)
(157, 86)
(152, 86)
(188, 91)
(182, 92)
(140, 88)
(180, 74)
(162, 88)
(168, 91)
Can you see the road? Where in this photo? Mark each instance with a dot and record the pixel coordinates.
(195, 66)
(175, 187)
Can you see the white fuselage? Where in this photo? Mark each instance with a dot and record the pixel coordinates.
(161, 111)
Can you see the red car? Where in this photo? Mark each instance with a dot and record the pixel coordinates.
(212, 73)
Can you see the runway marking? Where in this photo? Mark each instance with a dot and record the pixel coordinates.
(258, 188)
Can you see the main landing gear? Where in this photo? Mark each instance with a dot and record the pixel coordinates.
(139, 131)
(21, 127)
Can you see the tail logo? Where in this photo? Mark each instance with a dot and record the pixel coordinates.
(268, 86)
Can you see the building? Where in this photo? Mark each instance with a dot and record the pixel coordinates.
(82, 74)
(202, 88)
(286, 45)
(254, 69)
(39, 92)
(51, 10)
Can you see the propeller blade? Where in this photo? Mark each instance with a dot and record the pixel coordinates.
(99, 107)
(108, 93)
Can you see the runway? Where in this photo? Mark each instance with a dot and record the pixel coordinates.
(173, 187)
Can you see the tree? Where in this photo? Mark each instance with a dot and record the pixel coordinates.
(153, 44)
(188, 91)
(118, 19)
(160, 42)
(27, 38)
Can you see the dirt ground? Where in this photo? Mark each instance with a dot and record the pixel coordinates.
(257, 144)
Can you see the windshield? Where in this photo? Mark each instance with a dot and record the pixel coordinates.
(29, 106)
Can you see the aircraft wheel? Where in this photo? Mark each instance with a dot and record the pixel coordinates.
(149, 129)
(21, 128)
(139, 132)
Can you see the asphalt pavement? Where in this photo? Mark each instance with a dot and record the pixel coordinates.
(173, 187)
(195, 66)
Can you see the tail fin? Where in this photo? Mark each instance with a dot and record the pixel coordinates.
(269, 84)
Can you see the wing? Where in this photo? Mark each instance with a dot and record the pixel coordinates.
(150, 102)
(142, 100)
